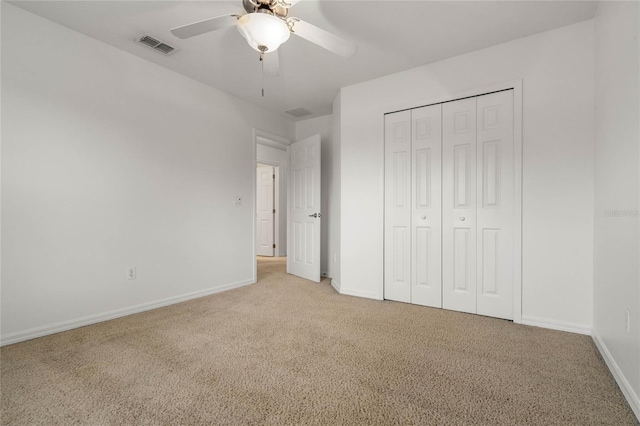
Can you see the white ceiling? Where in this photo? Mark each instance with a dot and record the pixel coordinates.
(392, 36)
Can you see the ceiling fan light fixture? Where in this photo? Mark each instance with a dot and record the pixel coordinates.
(262, 30)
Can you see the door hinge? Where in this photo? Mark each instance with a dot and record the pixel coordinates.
(274, 176)
(274, 246)
(274, 211)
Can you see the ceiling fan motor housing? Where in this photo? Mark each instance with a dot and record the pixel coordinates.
(270, 7)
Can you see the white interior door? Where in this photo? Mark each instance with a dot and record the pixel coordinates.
(304, 218)
(397, 207)
(265, 213)
(496, 192)
(426, 196)
(459, 205)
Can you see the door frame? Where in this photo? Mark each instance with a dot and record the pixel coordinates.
(516, 86)
(261, 137)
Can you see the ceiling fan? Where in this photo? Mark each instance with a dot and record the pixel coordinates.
(266, 25)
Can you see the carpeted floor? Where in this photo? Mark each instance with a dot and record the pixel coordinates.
(288, 351)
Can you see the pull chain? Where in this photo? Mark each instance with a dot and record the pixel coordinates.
(262, 71)
(262, 50)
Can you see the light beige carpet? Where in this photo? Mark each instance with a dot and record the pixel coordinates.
(288, 351)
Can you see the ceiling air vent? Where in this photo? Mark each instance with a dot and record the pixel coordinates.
(156, 44)
(298, 112)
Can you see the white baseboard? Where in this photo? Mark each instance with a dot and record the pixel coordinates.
(336, 285)
(359, 293)
(556, 325)
(623, 383)
(32, 333)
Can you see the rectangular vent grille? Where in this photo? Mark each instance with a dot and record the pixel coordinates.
(298, 112)
(164, 48)
(156, 44)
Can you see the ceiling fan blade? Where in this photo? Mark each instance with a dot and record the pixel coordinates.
(272, 63)
(204, 26)
(323, 38)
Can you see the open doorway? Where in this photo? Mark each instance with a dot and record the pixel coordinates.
(272, 161)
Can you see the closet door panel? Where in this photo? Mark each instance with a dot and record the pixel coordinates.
(459, 205)
(397, 211)
(496, 190)
(426, 196)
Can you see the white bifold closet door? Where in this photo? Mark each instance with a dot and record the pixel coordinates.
(413, 206)
(449, 195)
(459, 205)
(477, 205)
(397, 211)
(496, 205)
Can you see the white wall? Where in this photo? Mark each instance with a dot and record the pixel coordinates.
(557, 72)
(280, 157)
(324, 127)
(110, 161)
(617, 186)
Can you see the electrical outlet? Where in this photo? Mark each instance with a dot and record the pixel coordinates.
(131, 273)
(627, 320)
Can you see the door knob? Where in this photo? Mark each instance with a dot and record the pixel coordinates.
(462, 218)
(424, 217)
(315, 215)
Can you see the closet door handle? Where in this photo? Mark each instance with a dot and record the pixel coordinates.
(462, 219)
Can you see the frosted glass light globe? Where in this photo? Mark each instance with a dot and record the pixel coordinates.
(262, 29)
